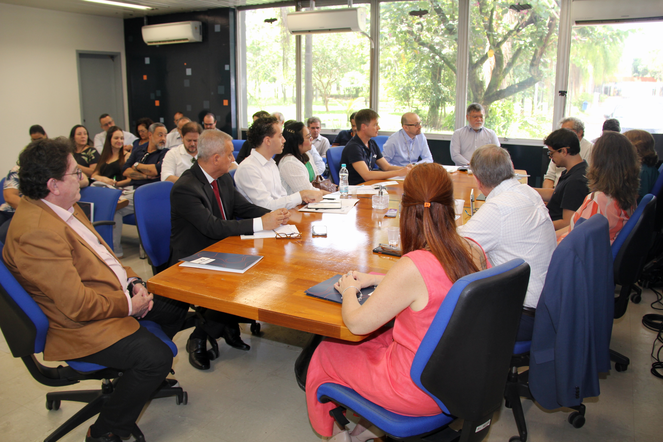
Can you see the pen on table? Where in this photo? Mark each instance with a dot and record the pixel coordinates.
(471, 202)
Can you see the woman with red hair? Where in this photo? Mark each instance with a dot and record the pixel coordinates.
(434, 257)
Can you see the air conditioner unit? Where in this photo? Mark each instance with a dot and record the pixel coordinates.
(327, 21)
(171, 33)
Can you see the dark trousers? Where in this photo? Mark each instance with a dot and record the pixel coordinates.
(145, 361)
(170, 314)
(525, 328)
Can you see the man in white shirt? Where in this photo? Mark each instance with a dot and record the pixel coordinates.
(554, 172)
(176, 119)
(180, 158)
(106, 122)
(258, 178)
(209, 121)
(408, 144)
(465, 140)
(174, 138)
(512, 223)
(320, 144)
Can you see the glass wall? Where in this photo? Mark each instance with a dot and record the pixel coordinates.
(270, 62)
(336, 75)
(512, 65)
(617, 72)
(418, 45)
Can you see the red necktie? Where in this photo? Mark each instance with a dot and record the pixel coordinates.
(215, 186)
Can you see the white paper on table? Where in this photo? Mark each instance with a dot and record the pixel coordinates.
(451, 169)
(363, 190)
(347, 205)
(285, 230)
(387, 183)
(332, 196)
(399, 178)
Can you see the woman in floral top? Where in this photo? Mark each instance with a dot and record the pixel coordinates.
(85, 154)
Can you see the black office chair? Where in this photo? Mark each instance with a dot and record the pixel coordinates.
(629, 251)
(461, 363)
(578, 296)
(25, 326)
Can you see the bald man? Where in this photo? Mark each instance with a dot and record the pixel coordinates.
(408, 145)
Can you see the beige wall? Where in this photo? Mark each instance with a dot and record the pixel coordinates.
(39, 74)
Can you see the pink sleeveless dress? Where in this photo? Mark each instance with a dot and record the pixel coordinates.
(379, 368)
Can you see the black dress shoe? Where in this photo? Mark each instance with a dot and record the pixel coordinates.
(232, 337)
(197, 349)
(108, 437)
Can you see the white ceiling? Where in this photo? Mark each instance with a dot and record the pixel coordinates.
(162, 6)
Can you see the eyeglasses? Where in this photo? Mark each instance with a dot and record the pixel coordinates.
(78, 172)
(297, 235)
(413, 124)
(552, 152)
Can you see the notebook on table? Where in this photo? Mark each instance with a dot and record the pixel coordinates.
(224, 262)
(325, 290)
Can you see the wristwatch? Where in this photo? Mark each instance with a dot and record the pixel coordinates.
(133, 283)
(135, 166)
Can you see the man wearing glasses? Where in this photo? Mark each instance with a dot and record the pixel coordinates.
(91, 300)
(465, 140)
(564, 151)
(408, 145)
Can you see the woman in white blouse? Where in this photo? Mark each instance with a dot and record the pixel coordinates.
(295, 163)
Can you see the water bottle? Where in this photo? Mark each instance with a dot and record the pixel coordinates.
(343, 181)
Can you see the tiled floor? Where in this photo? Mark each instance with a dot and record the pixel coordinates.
(252, 396)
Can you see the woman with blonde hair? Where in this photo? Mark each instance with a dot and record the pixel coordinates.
(644, 144)
(613, 180)
(434, 257)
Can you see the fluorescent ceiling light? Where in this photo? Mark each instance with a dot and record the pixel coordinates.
(120, 4)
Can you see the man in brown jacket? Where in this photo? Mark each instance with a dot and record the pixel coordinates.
(90, 299)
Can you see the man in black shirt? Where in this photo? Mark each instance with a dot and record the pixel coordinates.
(361, 155)
(144, 164)
(564, 150)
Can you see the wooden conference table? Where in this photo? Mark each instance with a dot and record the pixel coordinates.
(273, 290)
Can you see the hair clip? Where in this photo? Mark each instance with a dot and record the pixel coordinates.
(426, 204)
(290, 130)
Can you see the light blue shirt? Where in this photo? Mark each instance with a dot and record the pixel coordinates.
(465, 140)
(401, 150)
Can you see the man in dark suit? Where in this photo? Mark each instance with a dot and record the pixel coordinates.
(204, 206)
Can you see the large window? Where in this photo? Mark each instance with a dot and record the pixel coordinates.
(336, 75)
(270, 63)
(512, 65)
(418, 45)
(335, 70)
(617, 72)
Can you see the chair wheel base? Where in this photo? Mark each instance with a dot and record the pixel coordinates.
(576, 419)
(636, 298)
(515, 439)
(183, 399)
(621, 367)
(52, 405)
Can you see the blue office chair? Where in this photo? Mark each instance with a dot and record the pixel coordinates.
(105, 202)
(578, 290)
(25, 327)
(334, 161)
(462, 361)
(232, 175)
(629, 251)
(152, 210)
(2, 188)
(237, 145)
(380, 140)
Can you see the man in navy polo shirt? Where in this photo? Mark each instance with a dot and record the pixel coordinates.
(362, 155)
